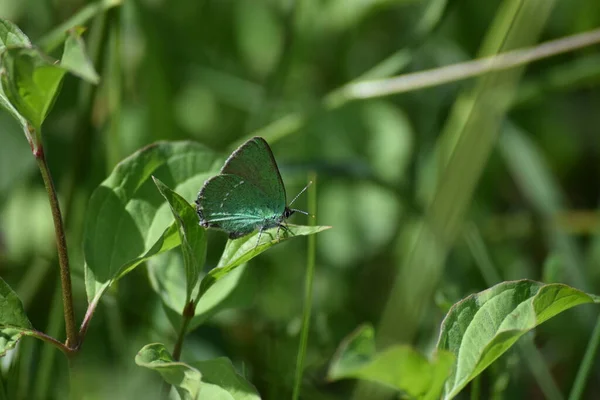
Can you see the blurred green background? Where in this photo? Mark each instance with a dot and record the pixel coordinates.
(217, 71)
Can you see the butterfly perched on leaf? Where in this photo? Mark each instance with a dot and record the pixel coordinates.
(247, 195)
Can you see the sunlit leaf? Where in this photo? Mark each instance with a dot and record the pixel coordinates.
(240, 251)
(191, 235)
(127, 218)
(480, 328)
(30, 82)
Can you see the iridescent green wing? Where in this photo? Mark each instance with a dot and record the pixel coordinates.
(254, 162)
(236, 205)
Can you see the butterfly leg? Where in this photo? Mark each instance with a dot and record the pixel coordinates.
(260, 232)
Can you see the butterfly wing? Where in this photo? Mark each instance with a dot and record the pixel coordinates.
(236, 205)
(254, 162)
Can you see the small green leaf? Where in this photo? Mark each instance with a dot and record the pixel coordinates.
(242, 250)
(481, 327)
(183, 377)
(400, 367)
(12, 36)
(211, 379)
(30, 82)
(75, 58)
(220, 380)
(128, 220)
(13, 320)
(56, 36)
(191, 235)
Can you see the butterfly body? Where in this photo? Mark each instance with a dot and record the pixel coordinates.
(247, 195)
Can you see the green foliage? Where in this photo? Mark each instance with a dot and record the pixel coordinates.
(480, 328)
(400, 367)
(13, 321)
(213, 379)
(128, 220)
(372, 98)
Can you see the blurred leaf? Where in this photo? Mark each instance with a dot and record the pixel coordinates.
(27, 226)
(365, 216)
(54, 38)
(166, 273)
(242, 250)
(191, 235)
(16, 162)
(481, 327)
(259, 35)
(390, 141)
(186, 379)
(127, 218)
(220, 380)
(13, 320)
(31, 83)
(211, 379)
(400, 367)
(75, 58)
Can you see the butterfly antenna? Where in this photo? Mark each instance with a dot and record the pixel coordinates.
(298, 195)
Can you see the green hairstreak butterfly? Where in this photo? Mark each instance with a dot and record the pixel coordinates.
(248, 194)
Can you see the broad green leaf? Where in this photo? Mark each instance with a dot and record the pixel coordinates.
(212, 379)
(191, 235)
(75, 58)
(128, 220)
(13, 321)
(183, 377)
(167, 276)
(242, 250)
(30, 82)
(481, 327)
(400, 367)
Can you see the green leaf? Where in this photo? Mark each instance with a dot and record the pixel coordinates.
(128, 220)
(220, 380)
(242, 250)
(167, 276)
(12, 36)
(211, 379)
(75, 58)
(400, 367)
(183, 377)
(13, 320)
(191, 235)
(481, 327)
(30, 83)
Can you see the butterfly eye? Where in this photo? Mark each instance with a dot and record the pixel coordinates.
(288, 212)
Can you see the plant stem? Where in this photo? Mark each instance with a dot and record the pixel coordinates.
(188, 314)
(308, 291)
(587, 363)
(49, 339)
(61, 244)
